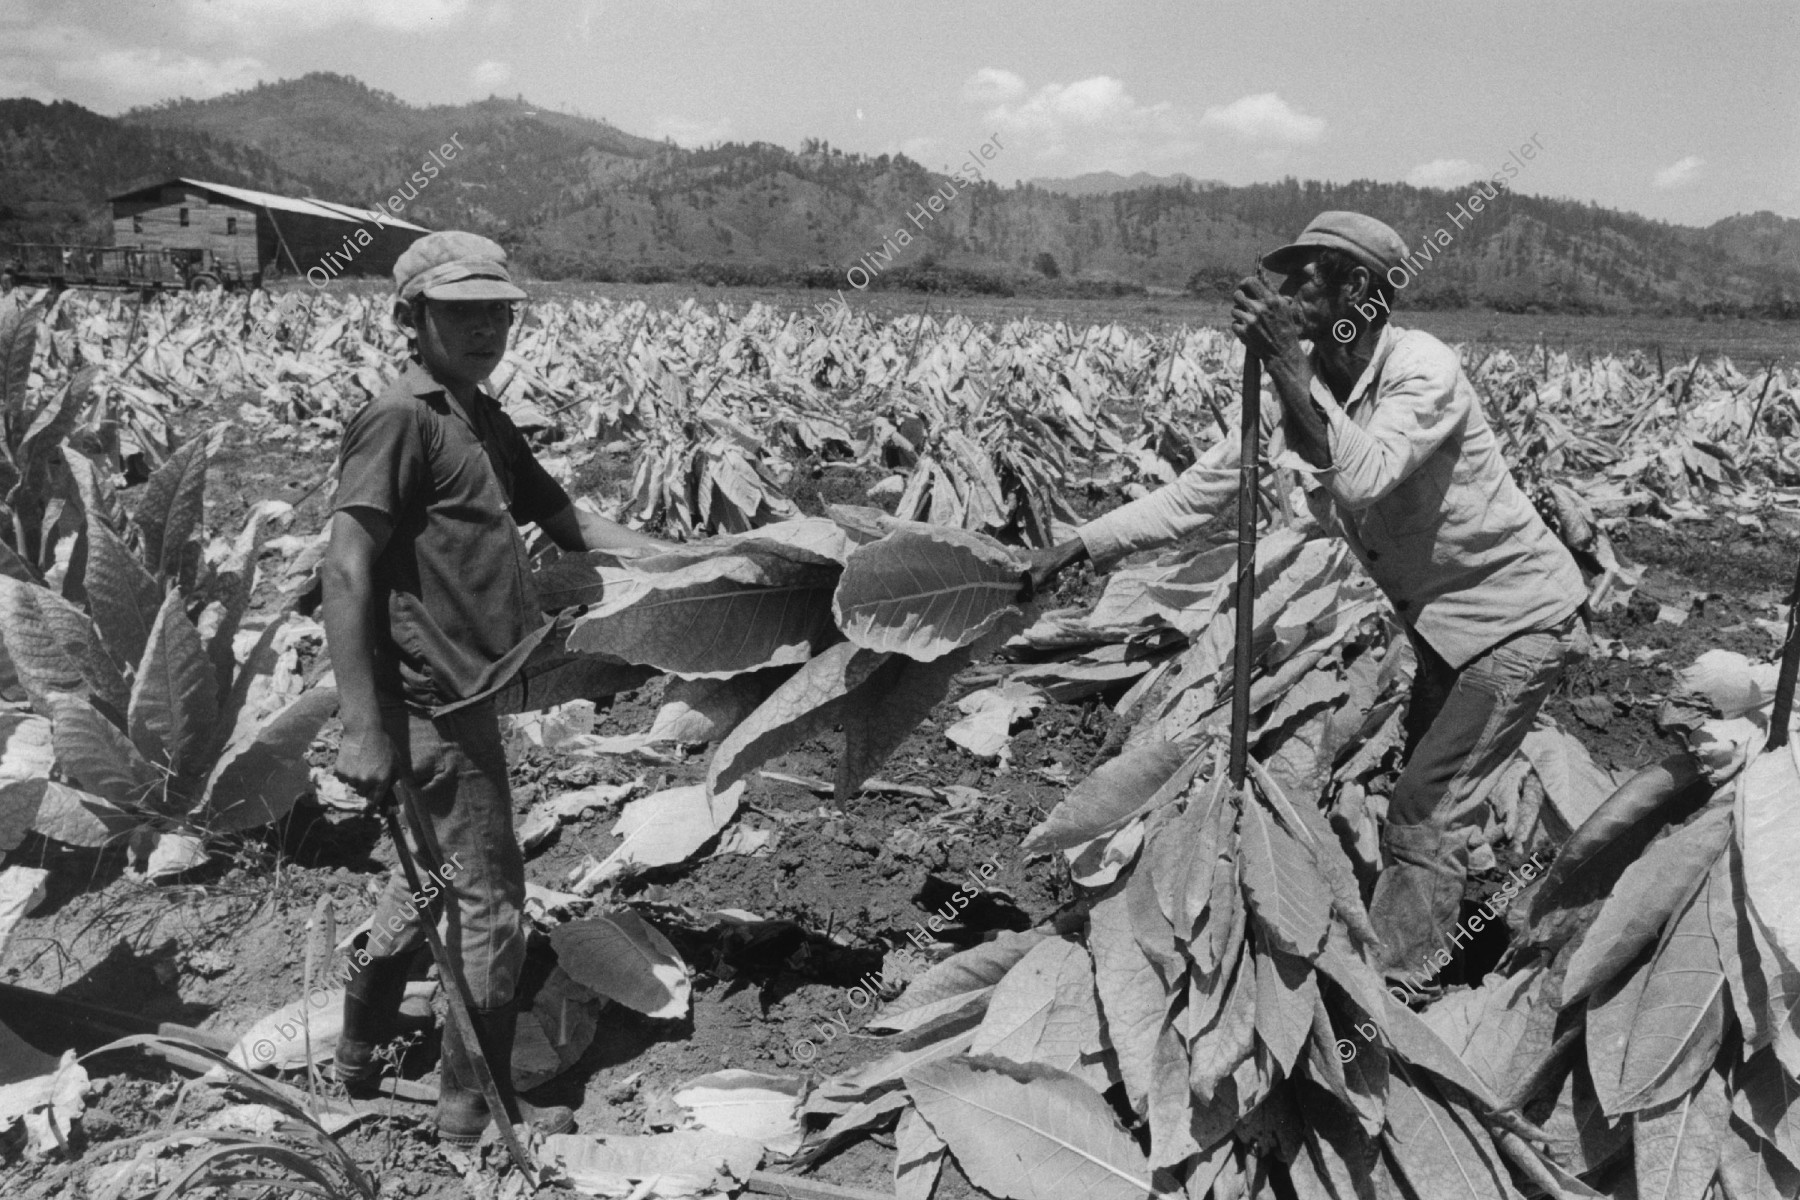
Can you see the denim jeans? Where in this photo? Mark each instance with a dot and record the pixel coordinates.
(1462, 725)
(459, 768)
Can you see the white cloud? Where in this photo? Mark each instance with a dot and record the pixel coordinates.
(1679, 174)
(1443, 173)
(1091, 124)
(51, 61)
(491, 74)
(991, 85)
(1265, 119)
(688, 133)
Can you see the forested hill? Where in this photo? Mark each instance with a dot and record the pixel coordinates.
(576, 197)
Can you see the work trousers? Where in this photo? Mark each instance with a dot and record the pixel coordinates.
(1463, 724)
(458, 766)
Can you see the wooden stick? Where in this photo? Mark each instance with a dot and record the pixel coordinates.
(771, 1183)
(1783, 712)
(1250, 440)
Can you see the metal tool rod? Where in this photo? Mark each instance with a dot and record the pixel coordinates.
(1250, 447)
(460, 1003)
(1783, 712)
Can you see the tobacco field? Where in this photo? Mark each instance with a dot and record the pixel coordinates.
(849, 863)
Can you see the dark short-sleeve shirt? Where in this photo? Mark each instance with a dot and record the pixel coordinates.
(454, 579)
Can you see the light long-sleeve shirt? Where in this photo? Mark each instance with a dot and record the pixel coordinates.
(1417, 486)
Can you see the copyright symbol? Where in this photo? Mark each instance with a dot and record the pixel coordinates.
(1346, 1049)
(1344, 330)
(264, 1051)
(811, 1053)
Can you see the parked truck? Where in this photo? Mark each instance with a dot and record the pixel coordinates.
(40, 264)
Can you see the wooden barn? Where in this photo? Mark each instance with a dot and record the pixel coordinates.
(237, 234)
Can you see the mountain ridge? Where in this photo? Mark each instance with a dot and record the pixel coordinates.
(576, 197)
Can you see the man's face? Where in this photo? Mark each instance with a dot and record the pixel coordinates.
(1312, 303)
(462, 341)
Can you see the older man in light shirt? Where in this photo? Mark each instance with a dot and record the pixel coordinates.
(1410, 474)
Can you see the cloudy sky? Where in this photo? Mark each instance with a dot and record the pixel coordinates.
(1685, 110)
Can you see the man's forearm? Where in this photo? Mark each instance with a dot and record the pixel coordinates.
(350, 635)
(1307, 432)
(575, 528)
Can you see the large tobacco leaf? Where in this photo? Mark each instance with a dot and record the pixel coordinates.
(55, 647)
(1677, 1143)
(121, 595)
(1044, 1011)
(712, 617)
(1680, 1019)
(924, 590)
(256, 780)
(1029, 1132)
(174, 698)
(169, 515)
(1648, 894)
(1286, 890)
(1768, 825)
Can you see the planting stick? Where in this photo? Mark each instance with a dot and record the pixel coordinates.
(1249, 445)
(459, 1003)
(1790, 668)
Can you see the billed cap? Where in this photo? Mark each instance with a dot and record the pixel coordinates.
(455, 265)
(1370, 242)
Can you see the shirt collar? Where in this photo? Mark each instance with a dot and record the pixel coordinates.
(1384, 346)
(420, 382)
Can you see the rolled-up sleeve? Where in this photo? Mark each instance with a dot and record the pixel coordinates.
(1194, 500)
(1417, 407)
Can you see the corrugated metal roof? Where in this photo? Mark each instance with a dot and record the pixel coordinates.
(327, 209)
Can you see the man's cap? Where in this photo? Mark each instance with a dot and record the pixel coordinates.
(454, 265)
(1370, 242)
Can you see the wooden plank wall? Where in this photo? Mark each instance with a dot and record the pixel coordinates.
(209, 218)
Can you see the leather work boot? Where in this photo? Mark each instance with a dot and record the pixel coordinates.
(1418, 899)
(462, 1111)
(376, 1010)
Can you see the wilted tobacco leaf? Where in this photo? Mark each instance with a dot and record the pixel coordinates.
(924, 590)
(677, 1165)
(1044, 1011)
(959, 981)
(1441, 1150)
(1484, 1025)
(1286, 892)
(1286, 992)
(664, 828)
(885, 709)
(1029, 1132)
(746, 1104)
(918, 1157)
(1230, 1036)
(1118, 790)
(1134, 999)
(624, 958)
(1647, 897)
(804, 705)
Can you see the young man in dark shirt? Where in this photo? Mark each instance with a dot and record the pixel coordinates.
(429, 602)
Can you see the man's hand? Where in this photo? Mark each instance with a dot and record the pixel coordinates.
(1262, 319)
(369, 763)
(1047, 564)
